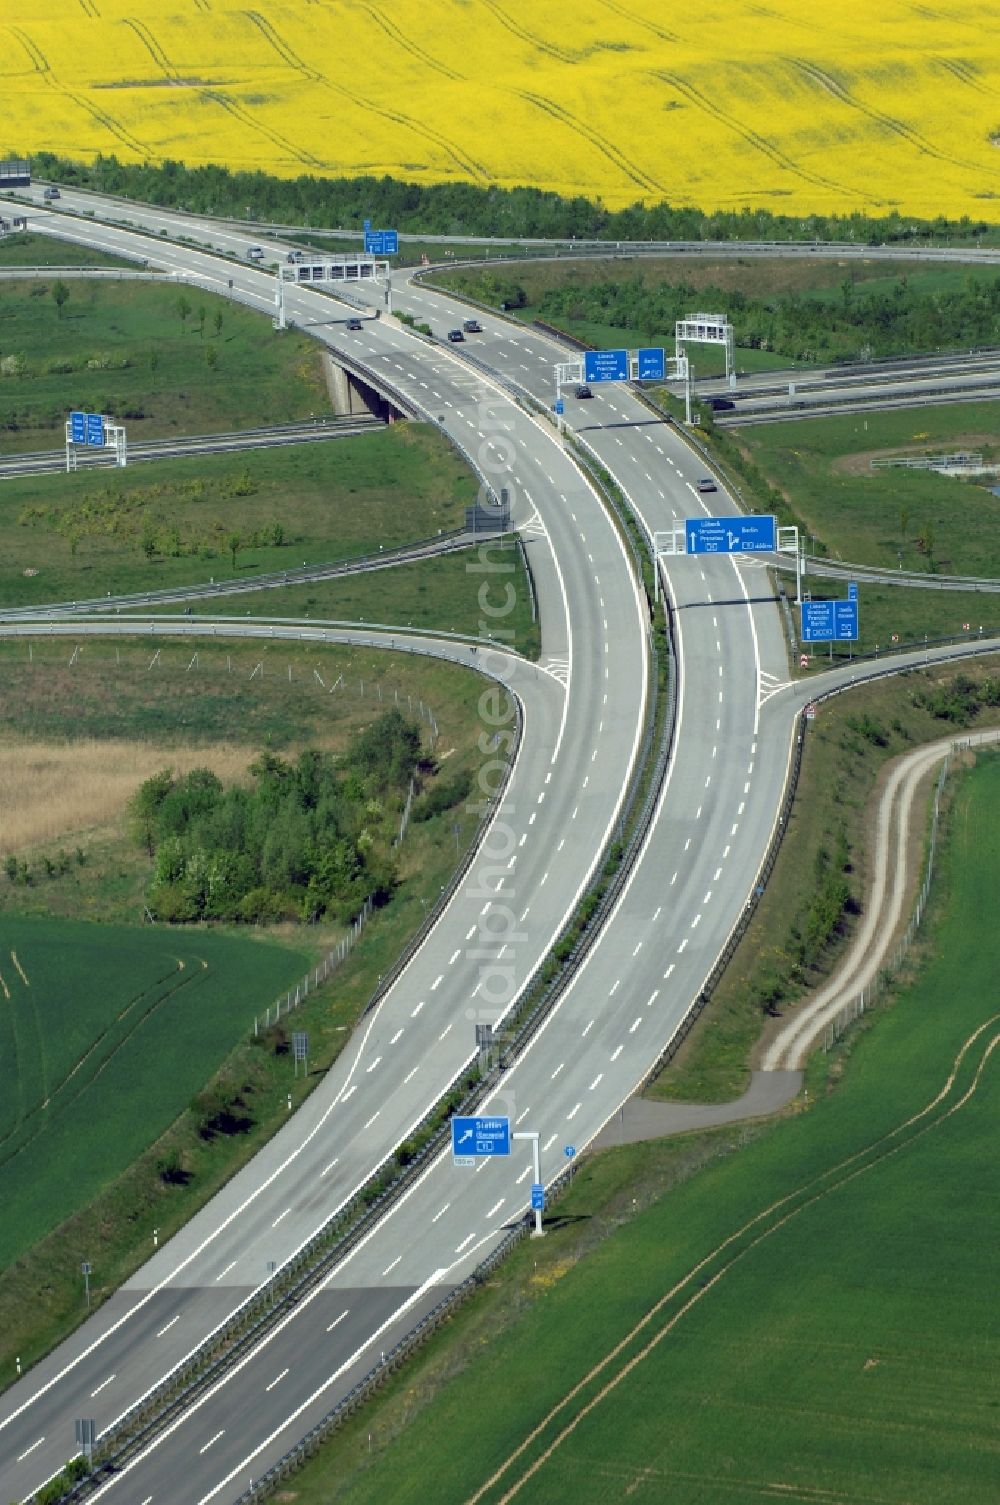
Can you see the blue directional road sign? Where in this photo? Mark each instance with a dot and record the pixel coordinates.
(560, 406)
(479, 1138)
(652, 365)
(829, 621)
(95, 430)
(605, 365)
(78, 428)
(852, 591)
(569, 1151)
(381, 242)
(730, 535)
(537, 1197)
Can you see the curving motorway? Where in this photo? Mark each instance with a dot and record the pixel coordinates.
(582, 708)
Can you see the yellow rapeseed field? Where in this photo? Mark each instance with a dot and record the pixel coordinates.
(795, 105)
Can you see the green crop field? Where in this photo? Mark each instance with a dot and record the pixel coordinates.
(106, 1033)
(812, 1318)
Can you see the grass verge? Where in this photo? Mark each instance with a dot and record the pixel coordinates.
(180, 522)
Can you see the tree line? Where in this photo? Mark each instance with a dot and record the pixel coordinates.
(470, 209)
(307, 838)
(845, 323)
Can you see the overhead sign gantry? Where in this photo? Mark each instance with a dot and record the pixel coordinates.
(594, 367)
(330, 274)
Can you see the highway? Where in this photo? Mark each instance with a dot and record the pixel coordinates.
(274, 436)
(582, 710)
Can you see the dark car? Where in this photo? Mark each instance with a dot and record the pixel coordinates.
(472, 326)
(455, 335)
(721, 404)
(583, 391)
(51, 193)
(355, 324)
(706, 483)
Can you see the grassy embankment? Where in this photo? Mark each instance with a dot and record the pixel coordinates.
(813, 1312)
(112, 694)
(817, 472)
(30, 249)
(141, 352)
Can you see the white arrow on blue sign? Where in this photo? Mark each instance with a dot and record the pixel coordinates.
(479, 1138)
(570, 1151)
(537, 1197)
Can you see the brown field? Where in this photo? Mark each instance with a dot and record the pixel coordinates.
(50, 791)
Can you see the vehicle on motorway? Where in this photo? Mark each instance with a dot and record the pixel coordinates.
(455, 336)
(51, 193)
(583, 391)
(472, 326)
(706, 483)
(255, 253)
(354, 324)
(294, 256)
(721, 404)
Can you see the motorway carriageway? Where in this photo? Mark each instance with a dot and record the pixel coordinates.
(735, 716)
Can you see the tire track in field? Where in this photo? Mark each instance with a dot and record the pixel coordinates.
(90, 9)
(462, 160)
(216, 97)
(964, 73)
(829, 85)
(628, 15)
(606, 148)
(155, 1002)
(40, 66)
(751, 137)
(394, 34)
(534, 42)
(737, 1246)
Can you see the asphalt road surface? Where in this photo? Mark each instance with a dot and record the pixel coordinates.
(582, 706)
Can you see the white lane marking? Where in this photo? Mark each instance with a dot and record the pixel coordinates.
(718, 874)
(169, 1325)
(634, 1026)
(715, 750)
(437, 981)
(673, 880)
(549, 1142)
(707, 897)
(668, 971)
(32, 1448)
(561, 844)
(687, 843)
(495, 1208)
(371, 1068)
(419, 1006)
(586, 1030)
(683, 943)
(389, 1268)
(280, 1216)
(524, 1175)
(441, 1214)
(718, 723)
(654, 995)
(465, 1243)
(736, 827)
(557, 1070)
(447, 1030)
(697, 814)
(276, 1381)
(617, 1052)
(656, 916)
(696, 921)
(523, 1114)
(471, 933)
(524, 837)
(573, 1112)
(454, 957)
(598, 1078)
(225, 1271)
(212, 1440)
(373, 1118)
(725, 854)
(102, 1386)
(337, 1321)
(741, 807)
(746, 787)
(395, 1037)
(617, 983)
(410, 1074)
(333, 1162)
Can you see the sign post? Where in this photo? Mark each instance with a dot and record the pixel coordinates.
(537, 1186)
